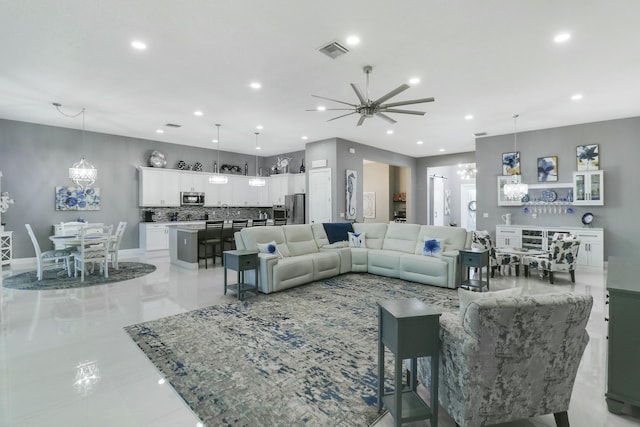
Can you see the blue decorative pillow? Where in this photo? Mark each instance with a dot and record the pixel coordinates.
(337, 231)
(432, 247)
(357, 240)
(269, 248)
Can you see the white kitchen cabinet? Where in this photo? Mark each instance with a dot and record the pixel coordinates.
(264, 195)
(159, 187)
(297, 183)
(154, 237)
(216, 195)
(243, 193)
(192, 182)
(278, 188)
(588, 188)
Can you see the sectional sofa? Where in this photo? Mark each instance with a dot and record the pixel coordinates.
(303, 253)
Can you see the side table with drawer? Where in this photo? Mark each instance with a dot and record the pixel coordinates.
(240, 261)
(476, 259)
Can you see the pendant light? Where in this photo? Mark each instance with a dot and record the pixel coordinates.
(515, 190)
(257, 181)
(82, 173)
(216, 178)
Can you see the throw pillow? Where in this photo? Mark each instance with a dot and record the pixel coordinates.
(432, 247)
(467, 297)
(269, 248)
(357, 240)
(337, 231)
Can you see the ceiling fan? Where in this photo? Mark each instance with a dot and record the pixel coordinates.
(368, 108)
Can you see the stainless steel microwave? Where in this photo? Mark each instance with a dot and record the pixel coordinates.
(191, 199)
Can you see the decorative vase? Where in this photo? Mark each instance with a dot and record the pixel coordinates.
(246, 169)
(215, 167)
(302, 168)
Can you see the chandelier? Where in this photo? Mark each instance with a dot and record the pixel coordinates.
(216, 178)
(257, 181)
(467, 171)
(515, 190)
(82, 173)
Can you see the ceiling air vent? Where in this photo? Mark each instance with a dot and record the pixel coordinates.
(333, 50)
(479, 134)
(172, 125)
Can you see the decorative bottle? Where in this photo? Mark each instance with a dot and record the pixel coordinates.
(246, 169)
(302, 168)
(215, 167)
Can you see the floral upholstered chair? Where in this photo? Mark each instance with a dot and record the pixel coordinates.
(510, 357)
(562, 257)
(482, 240)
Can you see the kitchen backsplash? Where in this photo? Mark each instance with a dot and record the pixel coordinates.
(197, 213)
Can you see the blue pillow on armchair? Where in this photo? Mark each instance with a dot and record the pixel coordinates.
(337, 231)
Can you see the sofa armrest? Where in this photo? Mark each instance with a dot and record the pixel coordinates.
(265, 271)
(451, 258)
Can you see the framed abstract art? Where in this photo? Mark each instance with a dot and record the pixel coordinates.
(588, 157)
(548, 169)
(77, 199)
(511, 163)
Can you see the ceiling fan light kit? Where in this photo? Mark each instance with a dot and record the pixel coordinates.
(376, 108)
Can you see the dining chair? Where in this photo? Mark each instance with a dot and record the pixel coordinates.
(211, 239)
(52, 257)
(236, 225)
(93, 248)
(258, 222)
(114, 243)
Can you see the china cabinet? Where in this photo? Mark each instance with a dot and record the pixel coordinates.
(588, 188)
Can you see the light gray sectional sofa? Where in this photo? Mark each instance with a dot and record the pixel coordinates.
(392, 250)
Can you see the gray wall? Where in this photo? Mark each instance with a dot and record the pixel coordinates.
(34, 159)
(619, 153)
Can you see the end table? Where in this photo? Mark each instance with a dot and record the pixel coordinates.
(474, 258)
(410, 329)
(240, 261)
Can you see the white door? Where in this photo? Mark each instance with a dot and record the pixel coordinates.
(438, 200)
(320, 205)
(468, 206)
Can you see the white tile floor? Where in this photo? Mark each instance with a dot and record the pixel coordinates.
(50, 338)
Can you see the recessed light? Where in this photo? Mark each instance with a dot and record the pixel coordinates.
(389, 132)
(305, 137)
(420, 142)
(442, 150)
(576, 97)
(197, 113)
(353, 40)
(159, 131)
(414, 81)
(214, 141)
(321, 108)
(255, 85)
(258, 148)
(561, 38)
(136, 44)
(259, 127)
(468, 117)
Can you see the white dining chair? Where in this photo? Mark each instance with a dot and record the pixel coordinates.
(93, 249)
(114, 243)
(49, 259)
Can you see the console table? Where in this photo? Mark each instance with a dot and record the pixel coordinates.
(240, 261)
(410, 329)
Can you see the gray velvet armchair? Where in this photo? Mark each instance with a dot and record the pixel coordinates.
(511, 358)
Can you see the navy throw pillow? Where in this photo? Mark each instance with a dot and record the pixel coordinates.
(337, 231)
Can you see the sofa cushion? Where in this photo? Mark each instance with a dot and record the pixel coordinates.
(254, 235)
(401, 237)
(299, 239)
(375, 233)
(359, 260)
(269, 248)
(422, 269)
(292, 271)
(357, 240)
(337, 231)
(384, 263)
(455, 238)
(467, 297)
(325, 265)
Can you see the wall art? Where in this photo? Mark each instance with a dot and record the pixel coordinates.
(76, 199)
(548, 169)
(369, 204)
(511, 163)
(352, 187)
(588, 157)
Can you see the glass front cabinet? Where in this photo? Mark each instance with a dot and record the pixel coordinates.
(588, 188)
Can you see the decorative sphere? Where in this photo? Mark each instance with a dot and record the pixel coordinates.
(157, 160)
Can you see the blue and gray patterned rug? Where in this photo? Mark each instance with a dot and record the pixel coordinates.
(306, 356)
(58, 278)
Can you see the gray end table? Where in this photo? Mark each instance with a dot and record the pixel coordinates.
(410, 329)
(474, 258)
(240, 261)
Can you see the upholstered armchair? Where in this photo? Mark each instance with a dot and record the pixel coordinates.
(510, 358)
(482, 240)
(562, 257)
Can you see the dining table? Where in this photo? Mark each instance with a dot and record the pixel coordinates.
(74, 240)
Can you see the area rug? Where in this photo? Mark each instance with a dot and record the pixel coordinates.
(58, 279)
(306, 356)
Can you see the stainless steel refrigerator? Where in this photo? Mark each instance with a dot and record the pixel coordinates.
(295, 208)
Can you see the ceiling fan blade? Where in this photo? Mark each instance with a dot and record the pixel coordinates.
(332, 109)
(391, 94)
(361, 121)
(395, 110)
(334, 100)
(412, 101)
(386, 118)
(359, 94)
(339, 117)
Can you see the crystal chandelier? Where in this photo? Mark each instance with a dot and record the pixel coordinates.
(216, 178)
(515, 189)
(257, 181)
(467, 171)
(82, 173)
